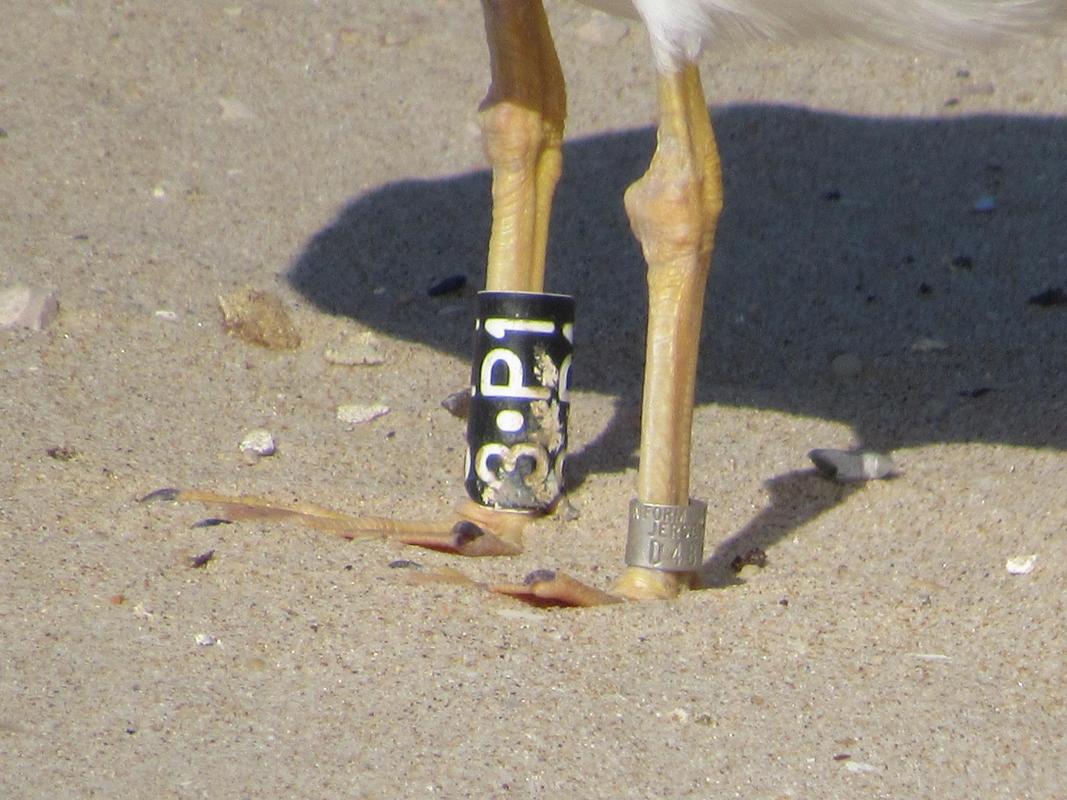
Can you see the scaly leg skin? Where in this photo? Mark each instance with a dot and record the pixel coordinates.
(522, 121)
(674, 210)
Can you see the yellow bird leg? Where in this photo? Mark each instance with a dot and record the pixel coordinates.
(673, 209)
(522, 120)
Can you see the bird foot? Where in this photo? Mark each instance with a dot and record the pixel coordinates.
(473, 531)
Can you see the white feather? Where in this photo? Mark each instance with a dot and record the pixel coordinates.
(680, 28)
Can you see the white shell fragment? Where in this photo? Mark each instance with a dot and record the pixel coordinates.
(860, 766)
(360, 349)
(848, 466)
(258, 442)
(1021, 565)
(356, 414)
(26, 307)
(205, 639)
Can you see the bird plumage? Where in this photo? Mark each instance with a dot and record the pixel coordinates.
(679, 29)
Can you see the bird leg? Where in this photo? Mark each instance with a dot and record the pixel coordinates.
(522, 120)
(673, 210)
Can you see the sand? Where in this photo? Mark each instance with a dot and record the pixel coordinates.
(155, 158)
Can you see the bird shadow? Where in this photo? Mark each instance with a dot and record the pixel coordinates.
(916, 247)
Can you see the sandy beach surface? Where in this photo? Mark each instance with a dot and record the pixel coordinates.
(890, 219)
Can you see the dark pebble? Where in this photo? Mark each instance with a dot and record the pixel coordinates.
(1054, 296)
(167, 493)
(449, 285)
(211, 522)
(202, 559)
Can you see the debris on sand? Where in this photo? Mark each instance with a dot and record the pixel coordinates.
(849, 466)
(258, 442)
(357, 414)
(258, 317)
(458, 403)
(1021, 565)
(27, 307)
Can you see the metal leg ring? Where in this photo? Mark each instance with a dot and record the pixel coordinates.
(667, 538)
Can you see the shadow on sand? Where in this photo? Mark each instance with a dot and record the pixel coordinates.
(840, 234)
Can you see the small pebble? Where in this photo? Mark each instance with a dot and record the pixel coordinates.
(1021, 565)
(458, 403)
(847, 365)
(356, 414)
(211, 522)
(985, 204)
(848, 466)
(166, 315)
(1054, 296)
(27, 307)
(201, 560)
(205, 639)
(360, 349)
(258, 442)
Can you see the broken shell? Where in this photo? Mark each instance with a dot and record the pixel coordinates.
(1021, 565)
(356, 414)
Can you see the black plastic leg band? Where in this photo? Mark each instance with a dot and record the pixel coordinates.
(520, 382)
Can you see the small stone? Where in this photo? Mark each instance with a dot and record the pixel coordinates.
(27, 307)
(846, 365)
(848, 466)
(1053, 296)
(458, 403)
(602, 30)
(205, 639)
(357, 414)
(928, 346)
(985, 204)
(259, 318)
(450, 285)
(258, 442)
(166, 315)
(1021, 565)
(360, 349)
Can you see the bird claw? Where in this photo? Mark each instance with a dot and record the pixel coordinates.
(548, 588)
